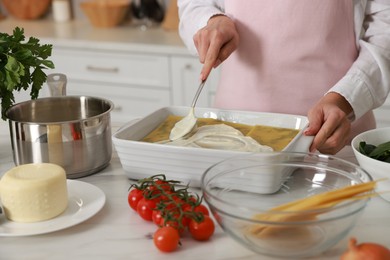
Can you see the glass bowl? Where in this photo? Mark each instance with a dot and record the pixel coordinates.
(230, 188)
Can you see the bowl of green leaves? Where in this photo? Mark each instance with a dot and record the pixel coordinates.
(372, 151)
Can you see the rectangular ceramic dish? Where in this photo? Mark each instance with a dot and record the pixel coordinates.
(187, 164)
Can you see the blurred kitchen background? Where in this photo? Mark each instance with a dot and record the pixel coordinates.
(62, 10)
(128, 51)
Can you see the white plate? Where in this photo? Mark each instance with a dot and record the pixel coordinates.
(85, 200)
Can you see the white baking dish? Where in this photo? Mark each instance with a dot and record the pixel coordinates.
(187, 164)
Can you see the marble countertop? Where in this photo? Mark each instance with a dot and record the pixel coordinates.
(81, 34)
(117, 232)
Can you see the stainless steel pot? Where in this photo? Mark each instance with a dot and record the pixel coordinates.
(71, 131)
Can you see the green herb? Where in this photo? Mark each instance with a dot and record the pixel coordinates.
(380, 152)
(21, 66)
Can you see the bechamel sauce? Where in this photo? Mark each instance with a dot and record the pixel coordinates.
(222, 137)
(183, 127)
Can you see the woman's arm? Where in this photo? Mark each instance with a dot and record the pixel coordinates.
(367, 83)
(194, 15)
(208, 32)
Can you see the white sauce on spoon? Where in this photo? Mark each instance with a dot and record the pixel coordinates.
(222, 137)
(184, 126)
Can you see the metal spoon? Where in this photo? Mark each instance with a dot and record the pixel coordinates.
(2, 214)
(185, 125)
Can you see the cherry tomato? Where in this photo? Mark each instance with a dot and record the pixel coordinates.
(157, 218)
(152, 192)
(166, 239)
(176, 224)
(202, 208)
(135, 195)
(145, 208)
(164, 196)
(199, 209)
(202, 231)
(173, 203)
(163, 185)
(177, 200)
(193, 199)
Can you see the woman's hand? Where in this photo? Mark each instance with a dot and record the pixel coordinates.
(215, 42)
(329, 124)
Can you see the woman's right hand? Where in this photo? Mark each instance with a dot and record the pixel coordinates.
(215, 42)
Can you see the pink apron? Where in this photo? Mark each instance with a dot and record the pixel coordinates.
(291, 53)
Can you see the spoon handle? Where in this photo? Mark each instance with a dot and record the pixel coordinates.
(198, 93)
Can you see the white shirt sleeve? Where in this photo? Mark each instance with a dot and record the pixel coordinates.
(367, 83)
(193, 15)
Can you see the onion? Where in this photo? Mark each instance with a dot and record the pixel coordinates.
(365, 251)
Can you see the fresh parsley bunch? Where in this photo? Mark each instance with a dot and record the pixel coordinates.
(21, 66)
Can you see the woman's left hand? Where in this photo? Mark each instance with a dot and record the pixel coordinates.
(329, 124)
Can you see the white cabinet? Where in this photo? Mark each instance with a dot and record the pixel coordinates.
(112, 66)
(185, 82)
(137, 84)
(130, 101)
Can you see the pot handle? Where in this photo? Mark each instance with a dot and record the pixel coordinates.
(57, 88)
(57, 84)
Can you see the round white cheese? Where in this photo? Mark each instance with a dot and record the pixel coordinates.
(34, 192)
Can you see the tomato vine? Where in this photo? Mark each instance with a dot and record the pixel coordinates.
(169, 204)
